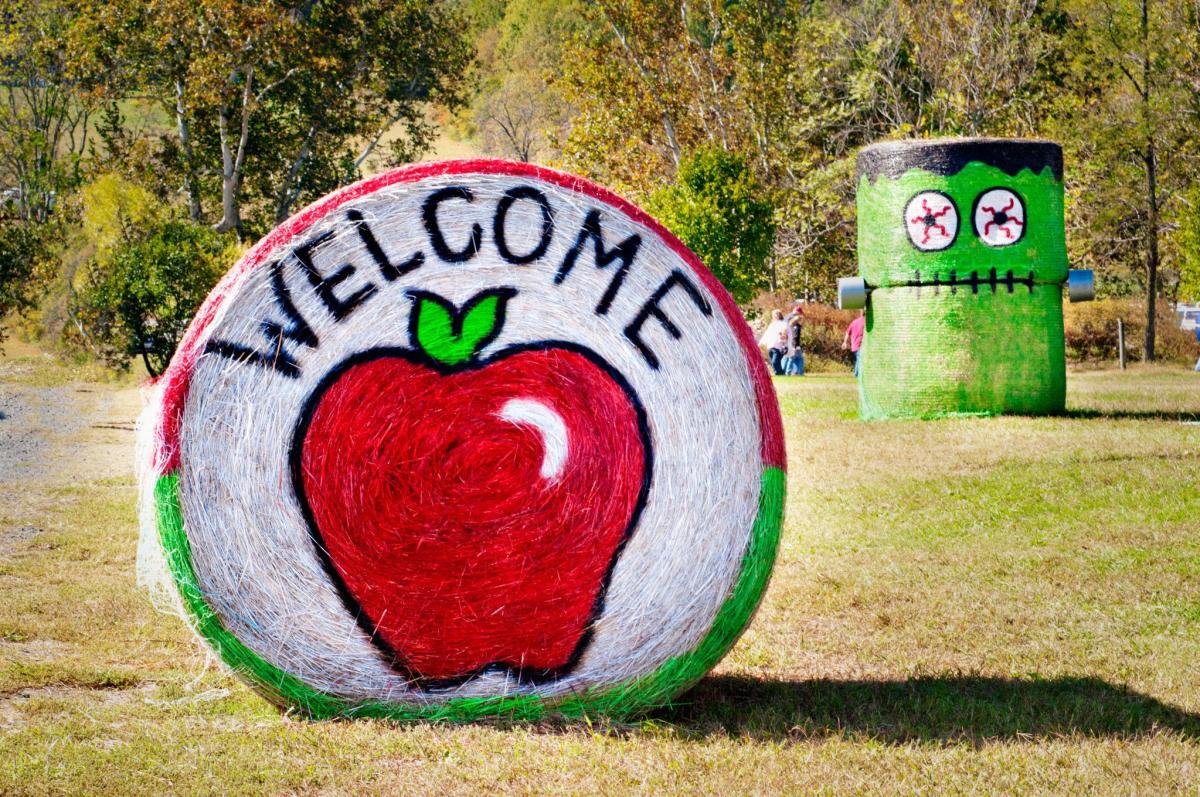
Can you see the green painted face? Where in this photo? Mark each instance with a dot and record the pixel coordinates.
(963, 246)
(975, 220)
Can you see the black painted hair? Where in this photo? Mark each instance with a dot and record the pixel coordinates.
(948, 156)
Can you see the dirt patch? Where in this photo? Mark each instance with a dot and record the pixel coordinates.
(35, 418)
(16, 707)
(34, 651)
(65, 431)
(12, 538)
(19, 534)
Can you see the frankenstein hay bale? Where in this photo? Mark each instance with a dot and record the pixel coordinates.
(962, 252)
(466, 440)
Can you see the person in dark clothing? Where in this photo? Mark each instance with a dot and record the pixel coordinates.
(793, 362)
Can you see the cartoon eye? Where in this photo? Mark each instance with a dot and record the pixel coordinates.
(931, 220)
(999, 217)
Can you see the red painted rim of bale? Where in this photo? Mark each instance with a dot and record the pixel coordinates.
(176, 380)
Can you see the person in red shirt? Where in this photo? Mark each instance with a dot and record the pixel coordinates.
(854, 337)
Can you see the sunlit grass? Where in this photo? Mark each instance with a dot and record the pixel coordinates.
(1005, 605)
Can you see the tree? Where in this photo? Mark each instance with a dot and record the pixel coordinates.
(27, 263)
(521, 49)
(140, 302)
(1187, 240)
(44, 113)
(717, 208)
(366, 68)
(979, 65)
(1136, 120)
(276, 103)
(508, 118)
(800, 86)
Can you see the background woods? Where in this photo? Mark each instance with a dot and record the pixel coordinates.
(737, 122)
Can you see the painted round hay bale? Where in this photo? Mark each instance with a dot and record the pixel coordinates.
(466, 440)
(962, 246)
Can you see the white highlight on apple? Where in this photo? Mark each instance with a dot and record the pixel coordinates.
(549, 425)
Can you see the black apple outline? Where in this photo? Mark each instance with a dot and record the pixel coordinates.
(417, 356)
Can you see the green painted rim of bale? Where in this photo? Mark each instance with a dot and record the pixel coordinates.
(618, 701)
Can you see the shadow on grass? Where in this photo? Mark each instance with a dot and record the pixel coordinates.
(933, 709)
(1132, 415)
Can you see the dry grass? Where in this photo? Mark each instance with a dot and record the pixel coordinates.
(971, 606)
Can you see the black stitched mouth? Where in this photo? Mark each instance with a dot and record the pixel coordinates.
(992, 279)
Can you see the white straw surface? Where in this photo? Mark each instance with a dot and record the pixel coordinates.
(254, 558)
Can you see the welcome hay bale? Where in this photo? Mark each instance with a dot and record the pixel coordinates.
(962, 251)
(463, 440)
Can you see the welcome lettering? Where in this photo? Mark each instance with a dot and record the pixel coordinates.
(343, 288)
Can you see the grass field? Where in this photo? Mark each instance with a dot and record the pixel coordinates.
(970, 606)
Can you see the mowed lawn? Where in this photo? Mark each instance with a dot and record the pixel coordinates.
(970, 606)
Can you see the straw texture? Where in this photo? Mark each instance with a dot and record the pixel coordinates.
(466, 440)
(962, 245)
(927, 355)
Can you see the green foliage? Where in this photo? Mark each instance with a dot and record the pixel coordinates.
(241, 112)
(521, 49)
(27, 263)
(44, 108)
(799, 87)
(141, 300)
(718, 209)
(1187, 242)
(1134, 88)
(113, 205)
(272, 106)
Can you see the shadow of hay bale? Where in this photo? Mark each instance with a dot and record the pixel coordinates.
(930, 709)
(1132, 415)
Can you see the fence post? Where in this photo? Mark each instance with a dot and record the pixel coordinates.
(1121, 342)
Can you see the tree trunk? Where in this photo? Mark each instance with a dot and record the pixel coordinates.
(230, 216)
(195, 212)
(648, 82)
(1151, 193)
(1151, 251)
(288, 191)
(232, 161)
(672, 142)
(370, 146)
(146, 361)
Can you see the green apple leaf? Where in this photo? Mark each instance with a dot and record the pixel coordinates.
(452, 335)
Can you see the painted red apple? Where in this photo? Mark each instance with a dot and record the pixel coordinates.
(471, 510)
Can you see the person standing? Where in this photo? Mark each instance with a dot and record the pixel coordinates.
(793, 363)
(775, 341)
(854, 337)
